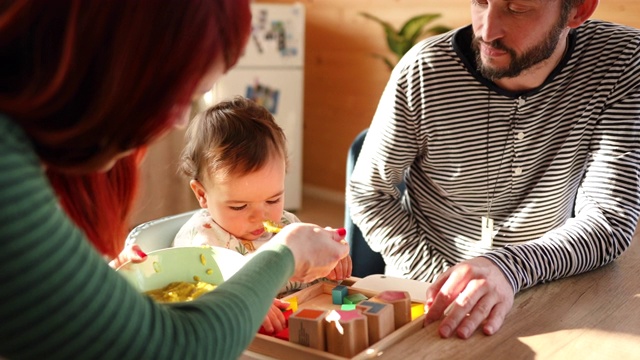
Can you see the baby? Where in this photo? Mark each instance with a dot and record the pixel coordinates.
(236, 159)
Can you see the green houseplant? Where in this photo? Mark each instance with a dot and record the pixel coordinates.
(412, 31)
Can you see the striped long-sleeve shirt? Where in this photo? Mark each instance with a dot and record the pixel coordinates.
(557, 168)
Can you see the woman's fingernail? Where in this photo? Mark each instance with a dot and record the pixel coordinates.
(342, 231)
(140, 253)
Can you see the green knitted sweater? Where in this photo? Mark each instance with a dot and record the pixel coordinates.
(60, 300)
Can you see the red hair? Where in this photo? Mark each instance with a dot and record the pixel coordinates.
(100, 203)
(85, 77)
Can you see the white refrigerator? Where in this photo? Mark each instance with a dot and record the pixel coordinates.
(271, 72)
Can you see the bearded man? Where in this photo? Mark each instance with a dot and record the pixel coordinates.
(517, 139)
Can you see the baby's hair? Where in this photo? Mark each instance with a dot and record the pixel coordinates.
(236, 137)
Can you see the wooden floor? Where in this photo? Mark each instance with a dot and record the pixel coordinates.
(321, 211)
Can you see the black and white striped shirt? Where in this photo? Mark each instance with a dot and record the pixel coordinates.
(558, 166)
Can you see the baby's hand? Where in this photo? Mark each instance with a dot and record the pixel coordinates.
(275, 322)
(342, 270)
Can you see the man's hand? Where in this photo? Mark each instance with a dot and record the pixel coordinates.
(473, 293)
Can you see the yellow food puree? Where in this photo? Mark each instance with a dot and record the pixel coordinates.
(270, 226)
(180, 291)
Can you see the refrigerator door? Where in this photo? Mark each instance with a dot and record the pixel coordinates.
(277, 36)
(280, 91)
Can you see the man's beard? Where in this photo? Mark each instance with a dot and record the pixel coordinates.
(519, 63)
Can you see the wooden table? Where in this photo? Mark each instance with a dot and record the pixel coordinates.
(595, 315)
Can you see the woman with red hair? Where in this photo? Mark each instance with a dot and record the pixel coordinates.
(84, 87)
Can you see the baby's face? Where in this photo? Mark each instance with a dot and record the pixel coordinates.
(239, 204)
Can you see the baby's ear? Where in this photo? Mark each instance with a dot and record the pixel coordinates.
(199, 192)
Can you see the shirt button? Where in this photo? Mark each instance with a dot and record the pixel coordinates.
(521, 101)
(518, 171)
(520, 136)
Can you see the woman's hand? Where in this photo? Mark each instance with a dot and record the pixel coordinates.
(133, 253)
(316, 250)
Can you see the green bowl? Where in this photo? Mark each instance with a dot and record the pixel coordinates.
(210, 264)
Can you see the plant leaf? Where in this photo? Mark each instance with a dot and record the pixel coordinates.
(393, 38)
(388, 28)
(411, 32)
(403, 47)
(413, 27)
(399, 42)
(437, 29)
(386, 60)
(389, 64)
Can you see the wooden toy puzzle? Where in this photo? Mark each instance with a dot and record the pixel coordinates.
(346, 332)
(307, 327)
(380, 319)
(323, 329)
(338, 294)
(354, 298)
(401, 302)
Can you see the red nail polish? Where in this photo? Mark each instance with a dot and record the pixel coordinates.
(140, 253)
(342, 231)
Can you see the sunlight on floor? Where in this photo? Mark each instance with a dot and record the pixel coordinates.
(557, 344)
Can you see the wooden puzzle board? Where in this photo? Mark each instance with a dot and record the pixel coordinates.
(319, 297)
(379, 282)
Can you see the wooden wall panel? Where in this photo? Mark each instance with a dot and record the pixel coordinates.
(343, 82)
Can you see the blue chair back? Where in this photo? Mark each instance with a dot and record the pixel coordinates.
(365, 261)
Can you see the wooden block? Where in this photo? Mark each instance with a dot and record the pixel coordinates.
(380, 319)
(283, 335)
(354, 298)
(262, 331)
(319, 297)
(307, 327)
(417, 309)
(338, 294)
(293, 304)
(348, 307)
(347, 333)
(401, 301)
(287, 313)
